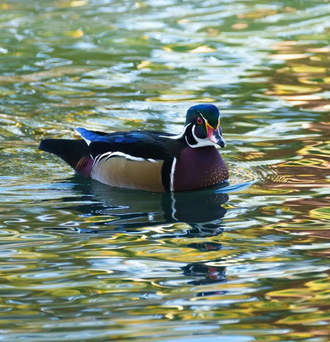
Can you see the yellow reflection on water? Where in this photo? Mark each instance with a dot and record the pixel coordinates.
(303, 79)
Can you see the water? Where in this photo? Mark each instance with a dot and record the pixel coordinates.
(83, 262)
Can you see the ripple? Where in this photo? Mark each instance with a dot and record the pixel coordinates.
(248, 260)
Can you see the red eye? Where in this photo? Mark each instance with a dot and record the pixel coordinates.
(199, 120)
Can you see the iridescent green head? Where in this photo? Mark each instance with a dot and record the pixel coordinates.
(203, 121)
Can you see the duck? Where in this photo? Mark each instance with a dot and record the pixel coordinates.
(150, 160)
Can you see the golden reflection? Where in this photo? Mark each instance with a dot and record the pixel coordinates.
(240, 26)
(213, 32)
(284, 89)
(320, 213)
(5, 6)
(267, 306)
(38, 76)
(307, 318)
(287, 57)
(258, 13)
(309, 167)
(255, 155)
(65, 292)
(305, 171)
(143, 65)
(303, 335)
(72, 3)
(284, 45)
(140, 4)
(177, 98)
(79, 3)
(289, 294)
(320, 149)
(319, 284)
(302, 69)
(203, 49)
(311, 220)
(74, 34)
(305, 67)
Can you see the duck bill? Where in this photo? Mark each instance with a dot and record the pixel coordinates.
(214, 136)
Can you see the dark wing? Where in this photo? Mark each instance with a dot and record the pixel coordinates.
(139, 144)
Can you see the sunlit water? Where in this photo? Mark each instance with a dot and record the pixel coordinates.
(80, 261)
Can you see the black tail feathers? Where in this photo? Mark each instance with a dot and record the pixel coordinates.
(71, 151)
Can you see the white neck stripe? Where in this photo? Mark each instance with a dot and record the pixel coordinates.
(172, 174)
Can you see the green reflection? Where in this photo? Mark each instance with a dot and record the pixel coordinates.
(80, 261)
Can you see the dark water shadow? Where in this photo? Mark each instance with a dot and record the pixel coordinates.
(131, 210)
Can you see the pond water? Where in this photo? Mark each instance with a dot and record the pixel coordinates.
(80, 261)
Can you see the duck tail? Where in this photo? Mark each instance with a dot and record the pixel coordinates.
(74, 152)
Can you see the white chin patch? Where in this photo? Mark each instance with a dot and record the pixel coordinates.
(200, 142)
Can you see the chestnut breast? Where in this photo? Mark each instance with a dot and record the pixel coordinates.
(197, 168)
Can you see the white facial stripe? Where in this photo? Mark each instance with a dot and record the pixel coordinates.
(206, 120)
(200, 142)
(202, 116)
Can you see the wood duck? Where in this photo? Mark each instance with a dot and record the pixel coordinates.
(148, 160)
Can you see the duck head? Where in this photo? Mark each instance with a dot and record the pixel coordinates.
(202, 126)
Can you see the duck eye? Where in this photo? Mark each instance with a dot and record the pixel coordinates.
(199, 120)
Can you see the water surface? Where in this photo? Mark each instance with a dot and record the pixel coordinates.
(80, 261)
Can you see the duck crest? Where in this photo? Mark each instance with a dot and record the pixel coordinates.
(198, 168)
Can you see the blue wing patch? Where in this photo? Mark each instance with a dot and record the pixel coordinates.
(87, 135)
(90, 136)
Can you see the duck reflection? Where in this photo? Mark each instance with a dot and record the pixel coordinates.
(206, 274)
(132, 210)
